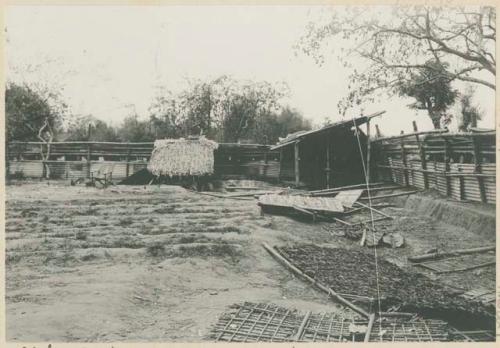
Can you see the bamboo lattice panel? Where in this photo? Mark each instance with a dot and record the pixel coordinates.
(250, 322)
(409, 331)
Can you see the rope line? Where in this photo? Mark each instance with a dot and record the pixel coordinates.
(367, 180)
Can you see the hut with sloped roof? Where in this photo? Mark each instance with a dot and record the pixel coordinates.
(328, 157)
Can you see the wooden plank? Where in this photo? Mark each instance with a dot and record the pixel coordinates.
(436, 255)
(468, 268)
(305, 212)
(348, 198)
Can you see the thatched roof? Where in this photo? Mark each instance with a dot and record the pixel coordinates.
(182, 157)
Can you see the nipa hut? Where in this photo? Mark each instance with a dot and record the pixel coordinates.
(182, 157)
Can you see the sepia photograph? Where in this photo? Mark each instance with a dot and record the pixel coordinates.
(249, 173)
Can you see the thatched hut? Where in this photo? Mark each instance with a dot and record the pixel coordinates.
(182, 157)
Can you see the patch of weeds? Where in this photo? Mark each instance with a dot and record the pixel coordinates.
(88, 257)
(11, 259)
(81, 235)
(28, 213)
(223, 229)
(156, 250)
(223, 250)
(125, 221)
(88, 211)
(187, 239)
(127, 242)
(165, 210)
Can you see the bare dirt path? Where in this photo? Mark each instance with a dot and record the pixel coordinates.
(151, 263)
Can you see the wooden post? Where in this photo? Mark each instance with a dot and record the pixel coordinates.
(461, 180)
(403, 159)
(447, 166)
(281, 165)
(89, 153)
(297, 165)
(266, 160)
(127, 169)
(368, 150)
(477, 169)
(377, 130)
(327, 169)
(423, 160)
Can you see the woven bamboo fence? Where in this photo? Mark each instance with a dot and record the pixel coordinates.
(458, 165)
(71, 160)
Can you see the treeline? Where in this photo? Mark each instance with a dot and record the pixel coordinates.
(223, 109)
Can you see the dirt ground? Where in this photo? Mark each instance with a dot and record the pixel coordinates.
(161, 263)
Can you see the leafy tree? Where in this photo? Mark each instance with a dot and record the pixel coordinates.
(394, 42)
(78, 130)
(470, 113)
(30, 116)
(223, 109)
(432, 91)
(134, 130)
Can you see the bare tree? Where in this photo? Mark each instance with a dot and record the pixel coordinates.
(397, 40)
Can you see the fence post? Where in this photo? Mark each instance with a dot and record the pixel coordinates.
(423, 160)
(403, 159)
(128, 160)
(447, 166)
(266, 161)
(89, 154)
(327, 168)
(477, 168)
(297, 165)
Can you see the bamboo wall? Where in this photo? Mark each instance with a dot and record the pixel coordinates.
(461, 166)
(72, 160)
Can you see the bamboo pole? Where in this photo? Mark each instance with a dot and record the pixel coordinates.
(343, 188)
(391, 195)
(297, 271)
(300, 331)
(370, 327)
(440, 132)
(368, 150)
(374, 210)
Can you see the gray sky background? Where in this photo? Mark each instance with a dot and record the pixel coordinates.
(113, 59)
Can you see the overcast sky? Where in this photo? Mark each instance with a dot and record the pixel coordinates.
(110, 60)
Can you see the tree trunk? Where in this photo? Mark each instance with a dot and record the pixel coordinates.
(435, 118)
